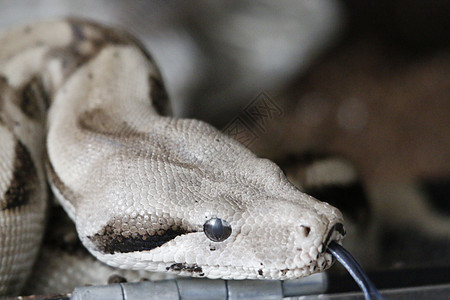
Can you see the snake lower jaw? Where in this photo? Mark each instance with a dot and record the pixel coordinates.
(240, 273)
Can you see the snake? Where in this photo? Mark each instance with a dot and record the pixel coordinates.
(84, 111)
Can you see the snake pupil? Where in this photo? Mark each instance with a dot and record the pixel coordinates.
(217, 230)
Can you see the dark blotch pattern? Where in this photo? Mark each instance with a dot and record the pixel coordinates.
(158, 96)
(100, 122)
(33, 99)
(82, 32)
(106, 36)
(109, 241)
(23, 182)
(194, 268)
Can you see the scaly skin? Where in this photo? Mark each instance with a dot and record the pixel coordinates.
(140, 184)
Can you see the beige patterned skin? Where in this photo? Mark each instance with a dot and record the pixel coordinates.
(139, 184)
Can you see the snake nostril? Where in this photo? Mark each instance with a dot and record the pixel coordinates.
(306, 230)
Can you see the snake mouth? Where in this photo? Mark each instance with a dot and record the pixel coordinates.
(321, 263)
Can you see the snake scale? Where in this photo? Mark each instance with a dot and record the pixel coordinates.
(84, 107)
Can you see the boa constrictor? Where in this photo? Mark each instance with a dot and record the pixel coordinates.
(84, 107)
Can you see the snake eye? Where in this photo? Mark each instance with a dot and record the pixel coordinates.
(217, 230)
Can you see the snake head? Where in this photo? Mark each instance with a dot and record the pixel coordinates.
(209, 209)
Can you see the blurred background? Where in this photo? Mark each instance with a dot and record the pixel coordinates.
(368, 81)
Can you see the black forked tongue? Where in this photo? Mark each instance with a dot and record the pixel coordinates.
(358, 274)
